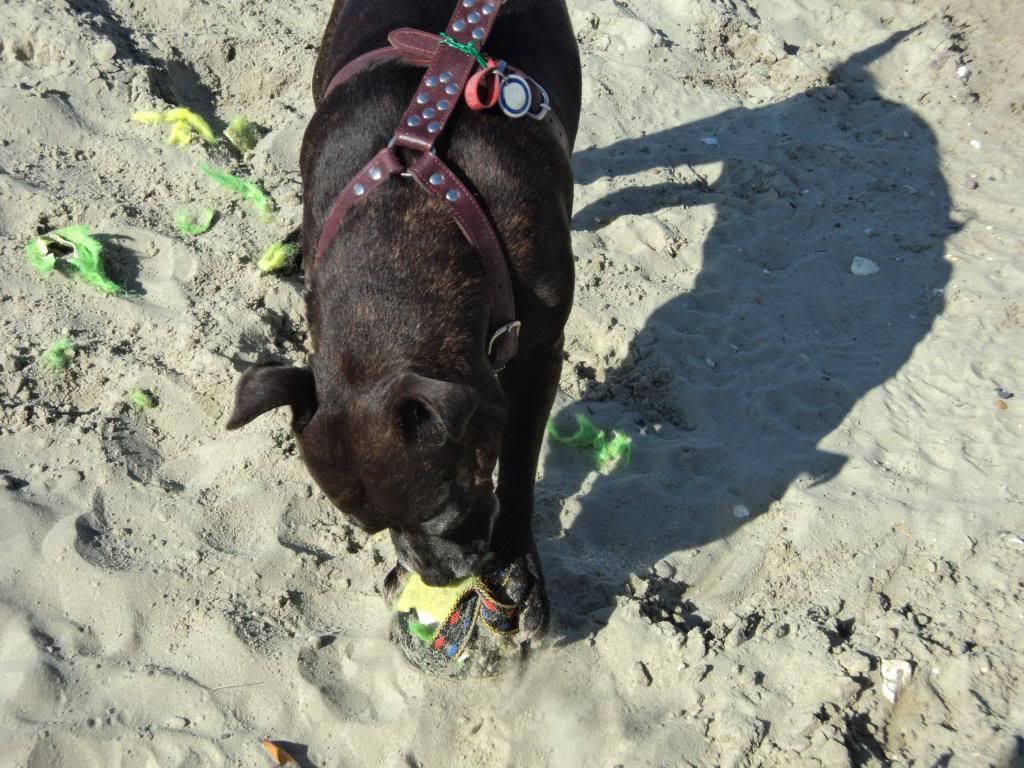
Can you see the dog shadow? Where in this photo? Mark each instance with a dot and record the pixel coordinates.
(729, 388)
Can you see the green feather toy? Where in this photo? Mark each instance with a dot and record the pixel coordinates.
(77, 249)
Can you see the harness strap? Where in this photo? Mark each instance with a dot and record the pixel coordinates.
(446, 77)
(416, 47)
(424, 121)
(382, 167)
(440, 181)
(359, 65)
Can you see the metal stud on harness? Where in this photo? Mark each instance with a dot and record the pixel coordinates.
(451, 59)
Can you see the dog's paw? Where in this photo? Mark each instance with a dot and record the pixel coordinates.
(525, 586)
(394, 582)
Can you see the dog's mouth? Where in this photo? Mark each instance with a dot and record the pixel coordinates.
(438, 562)
(449, 547)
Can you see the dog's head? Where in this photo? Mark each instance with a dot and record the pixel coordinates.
(411, 453)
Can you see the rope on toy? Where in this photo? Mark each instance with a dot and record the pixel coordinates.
(608, 448)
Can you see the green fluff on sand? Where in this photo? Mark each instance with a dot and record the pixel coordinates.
(608, 448)
(141, 400)
(278, 256)
(86, 255)
(192, 225)
(57, 356)
(248, 191)
(184, 125)
(242, 134)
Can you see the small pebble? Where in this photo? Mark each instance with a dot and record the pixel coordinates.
(863, 267)
(735, 638)
(855, 664)
(963, 72)
(664, 570)
(711, 141)
(740, 511)
(638, 586)
(1001, 405)
(895, 673)
(695, 648)
(985, 629)
(971, 183)
(104, 50)
(975, 143)
(640, 675)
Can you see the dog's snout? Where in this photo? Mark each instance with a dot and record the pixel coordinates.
(437, 561)
(437, 577)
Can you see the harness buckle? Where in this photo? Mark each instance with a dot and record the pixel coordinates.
(512, 327)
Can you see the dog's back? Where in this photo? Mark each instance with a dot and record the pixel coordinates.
(517, 167)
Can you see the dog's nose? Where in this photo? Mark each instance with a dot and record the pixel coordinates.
(443, 574)
(437, 577)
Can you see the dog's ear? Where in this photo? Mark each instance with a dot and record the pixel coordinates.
(431, 409)
(271, 385)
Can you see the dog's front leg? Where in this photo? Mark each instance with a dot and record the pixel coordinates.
(530, 383)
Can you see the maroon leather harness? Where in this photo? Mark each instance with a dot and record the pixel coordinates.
(439, 93)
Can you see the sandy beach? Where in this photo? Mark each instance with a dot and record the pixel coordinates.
(798, 232)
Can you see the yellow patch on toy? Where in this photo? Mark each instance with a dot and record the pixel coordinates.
(432, 604)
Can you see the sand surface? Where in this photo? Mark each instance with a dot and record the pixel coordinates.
(824, 506)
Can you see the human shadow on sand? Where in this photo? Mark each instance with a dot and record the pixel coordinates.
(775, 343)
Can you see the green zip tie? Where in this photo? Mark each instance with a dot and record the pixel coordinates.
(608, 448)
(467, 48)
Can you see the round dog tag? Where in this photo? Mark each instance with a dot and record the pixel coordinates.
(515, 98)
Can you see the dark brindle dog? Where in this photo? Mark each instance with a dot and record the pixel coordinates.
(401, 416)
